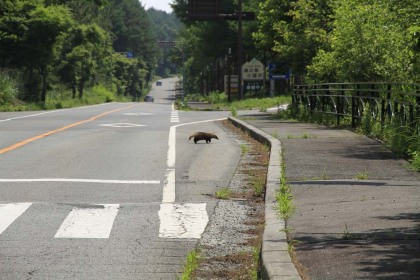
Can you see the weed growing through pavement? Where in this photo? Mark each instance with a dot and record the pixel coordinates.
(284, 196)
(256, 257)
(244, 149)
(234, 112)
(224, 193)
(347, 235)
(361, 176)
(258, 184)
(190, 266)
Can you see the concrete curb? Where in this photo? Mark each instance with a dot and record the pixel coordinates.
(275, 258)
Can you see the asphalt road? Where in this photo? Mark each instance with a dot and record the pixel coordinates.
(112, 191)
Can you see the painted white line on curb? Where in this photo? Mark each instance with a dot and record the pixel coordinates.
(182, 221)
(10, 212)
(80, 181)
(89, 222)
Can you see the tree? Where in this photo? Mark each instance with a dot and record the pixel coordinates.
(131, 27)
(84, 56)
(372, 41)
(31, 36)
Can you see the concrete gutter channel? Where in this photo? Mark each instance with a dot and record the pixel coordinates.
(276, 261)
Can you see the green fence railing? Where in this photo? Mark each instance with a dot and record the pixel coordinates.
(384, 101)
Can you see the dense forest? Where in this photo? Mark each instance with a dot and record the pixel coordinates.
(53, 48)
(166, 27)
(50, 48)
(317, 40)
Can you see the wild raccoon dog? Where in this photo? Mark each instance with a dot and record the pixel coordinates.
(203, 136)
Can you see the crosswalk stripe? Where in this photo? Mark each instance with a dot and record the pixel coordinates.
(94, 221)
(10, 212)
(174, 116)
(187, 220)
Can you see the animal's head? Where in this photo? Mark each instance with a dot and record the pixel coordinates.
(215, 137)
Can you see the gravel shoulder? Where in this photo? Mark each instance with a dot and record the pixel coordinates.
(230, 246)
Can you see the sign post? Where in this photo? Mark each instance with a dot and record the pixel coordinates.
(253, 74)
(253, 70)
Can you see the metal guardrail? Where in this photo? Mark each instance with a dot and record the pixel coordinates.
(384, 101)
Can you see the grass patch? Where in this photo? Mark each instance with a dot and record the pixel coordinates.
(190, 266)
(347, 235)
(220, 101)
(305, 136)
(258, 185)
(244, 149)
(284, 197)
(362, 176)
(60, 97)
(224, 193)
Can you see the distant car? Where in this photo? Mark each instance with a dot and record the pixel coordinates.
(149, 98)
(158, 82)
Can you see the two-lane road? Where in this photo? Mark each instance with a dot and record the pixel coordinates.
(112, 191)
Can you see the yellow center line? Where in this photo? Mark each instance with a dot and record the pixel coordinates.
(27, 141)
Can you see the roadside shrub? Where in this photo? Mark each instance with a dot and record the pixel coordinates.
(8, 88)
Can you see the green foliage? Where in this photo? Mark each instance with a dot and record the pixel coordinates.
(244, 149)
(190, 265)
(165, 27)
(224, 193)
(415, 163)
(56, 42)
(371, 41)
(8, 88)
(258, 185)
(284, 197)
(132, 28)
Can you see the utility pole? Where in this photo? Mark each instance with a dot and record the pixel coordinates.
(240, 87)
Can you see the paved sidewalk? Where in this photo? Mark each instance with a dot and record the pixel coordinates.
(357, 204)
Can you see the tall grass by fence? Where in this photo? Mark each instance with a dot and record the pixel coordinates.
(384, 100)
(390, 111)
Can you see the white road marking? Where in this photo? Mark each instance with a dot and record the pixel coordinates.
(99, 181)
(179, 220)
(182, 221)
(174, 116)
(122, 125)
(90, 222)
(170, 162)
(52, 111)
(28, 116)
(137, 114)
(10, 212)
(169, 187)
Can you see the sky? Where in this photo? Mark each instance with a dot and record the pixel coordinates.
(162, 5)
